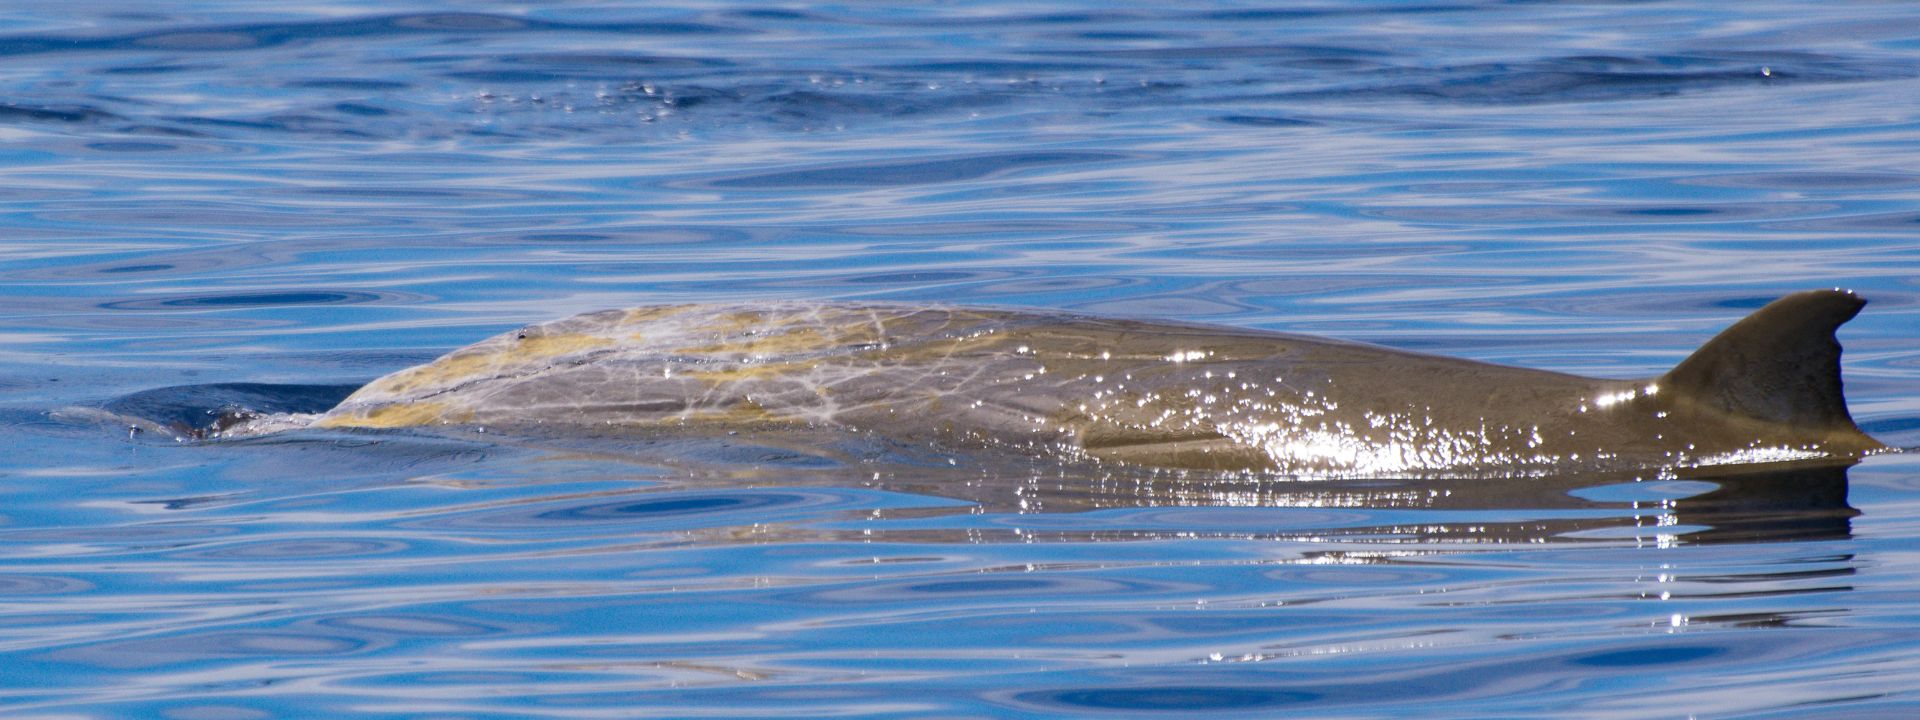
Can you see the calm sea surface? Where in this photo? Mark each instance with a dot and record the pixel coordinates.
(215, 191)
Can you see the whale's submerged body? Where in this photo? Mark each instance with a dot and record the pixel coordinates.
(1148, 393)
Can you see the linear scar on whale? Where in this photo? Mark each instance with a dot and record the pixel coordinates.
(1156, 394)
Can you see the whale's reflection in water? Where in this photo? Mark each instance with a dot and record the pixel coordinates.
(1001, 497)
(1765, 504)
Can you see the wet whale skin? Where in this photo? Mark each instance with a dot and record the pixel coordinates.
(1157, 394)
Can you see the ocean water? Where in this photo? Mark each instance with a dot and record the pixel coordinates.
(207, 191)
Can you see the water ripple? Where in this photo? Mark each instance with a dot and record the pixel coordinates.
(299, 549)
(411, 626)
(916, 172)
(655, 512)
(254, 299)
(177, 649)
(41, 585)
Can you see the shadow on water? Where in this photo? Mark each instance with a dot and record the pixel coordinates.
(196, 411)
(1801, 503)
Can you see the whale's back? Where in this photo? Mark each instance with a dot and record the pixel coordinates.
(1163, 394)
(1160, 394)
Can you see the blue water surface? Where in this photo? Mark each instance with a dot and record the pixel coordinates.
(209, 191)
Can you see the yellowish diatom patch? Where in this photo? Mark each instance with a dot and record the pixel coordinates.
(391, 416)
(652, 313)
(742, 414)
(753, 371)
(800, 340)
(542, 347)
(483, 362)
(447, 370)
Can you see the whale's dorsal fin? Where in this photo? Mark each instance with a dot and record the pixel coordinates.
(1781, 364)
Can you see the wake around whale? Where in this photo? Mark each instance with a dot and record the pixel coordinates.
(1155, 394)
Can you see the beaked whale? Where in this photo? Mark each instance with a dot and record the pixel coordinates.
(1157, 394)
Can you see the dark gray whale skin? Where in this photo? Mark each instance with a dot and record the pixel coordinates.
(1158, 394)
